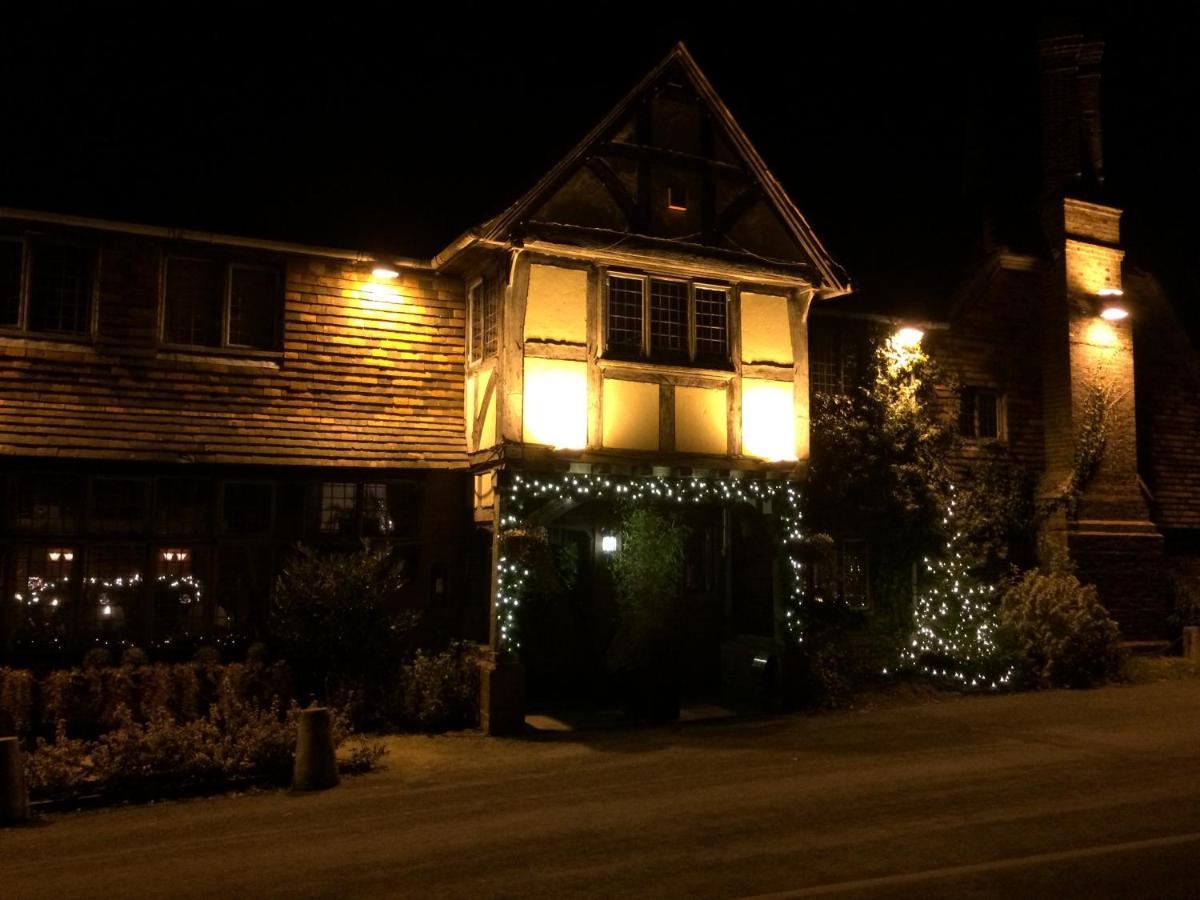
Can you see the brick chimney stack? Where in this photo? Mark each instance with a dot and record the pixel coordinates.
(1072, 149)
(1107, 532)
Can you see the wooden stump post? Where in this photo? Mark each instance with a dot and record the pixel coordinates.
(1191, 643)
(316, 765)
(14, 795)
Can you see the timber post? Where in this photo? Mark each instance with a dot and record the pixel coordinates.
(316, 767)
(14, 792)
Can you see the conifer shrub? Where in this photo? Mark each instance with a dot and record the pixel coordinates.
(1061, 635)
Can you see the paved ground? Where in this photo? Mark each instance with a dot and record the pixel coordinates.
(1045, 795)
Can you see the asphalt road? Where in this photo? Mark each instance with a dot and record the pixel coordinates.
(1084, 794)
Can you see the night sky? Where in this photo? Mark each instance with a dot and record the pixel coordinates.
(375, 127)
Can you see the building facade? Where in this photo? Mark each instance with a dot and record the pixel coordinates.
(179, 410)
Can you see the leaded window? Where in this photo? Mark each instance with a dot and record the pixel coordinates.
(981, 414)
(338, 502)
(12, 261)
(248, 507)
(666, 320)
(483, 302)
(60, 289)
(48, 504)
(210, 302)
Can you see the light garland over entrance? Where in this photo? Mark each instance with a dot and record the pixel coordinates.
(778, 498)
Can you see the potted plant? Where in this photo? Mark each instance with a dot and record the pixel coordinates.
(648, 581)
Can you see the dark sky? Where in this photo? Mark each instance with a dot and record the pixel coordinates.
(380, 127)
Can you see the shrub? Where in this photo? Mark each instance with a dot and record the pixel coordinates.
(333, 616)
(61, 766)
(1059, 630)
(1185, 597)
(97, 658)
(134, 657)
(440, 691)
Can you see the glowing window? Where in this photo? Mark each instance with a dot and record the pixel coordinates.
(665, 320)
(484, 304)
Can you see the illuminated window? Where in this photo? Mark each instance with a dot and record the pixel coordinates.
(981, 414)
(854, 574)
(666, 321)
(44, 588)
(111, 599)
(483, 302)
(179, 593)
(215, 303)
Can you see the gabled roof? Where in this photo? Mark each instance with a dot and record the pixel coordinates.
(831, 276)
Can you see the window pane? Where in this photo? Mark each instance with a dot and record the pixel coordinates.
(476, 301)
(244, 576)
(854, 573)
(712, 323)
(183, 506)
(48, 504)
(118, 505)
(823, 364)
(11, 253)
(60, 296)
(337, 507)
(247, 508)
(112, 590)
(490, 317)
(625, 314)
(390, 510)
(966, 413)
(254, 308)
(668, 318)
(989, 418)
(179, 594)
(42, 592)
(193, 302)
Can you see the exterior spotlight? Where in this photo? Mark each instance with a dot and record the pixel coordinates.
(383, 273)
(908, 338)
(1111, 307)
(608, 543)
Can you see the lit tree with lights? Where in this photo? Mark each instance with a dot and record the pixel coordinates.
(955, 620)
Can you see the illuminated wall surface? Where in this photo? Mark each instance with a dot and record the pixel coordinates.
(476, 393)
(557, 304)
(766, 333)
(556, 403)
(701, 420)
(768, 419)
(630, 415)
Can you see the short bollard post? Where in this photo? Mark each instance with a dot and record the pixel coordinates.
(14, 795)
(316, 761)
(1191, 643)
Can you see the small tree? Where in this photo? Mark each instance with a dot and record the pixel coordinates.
(648, 575)
(335, 619)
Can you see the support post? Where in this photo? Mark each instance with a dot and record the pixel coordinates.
(14, 793)
(1191, 643)
(316, 765)
(501, 675)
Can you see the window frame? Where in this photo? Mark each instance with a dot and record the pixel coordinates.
(228, 265)
(971, 395)
(478, 313)
(646, 352)
(29, 248)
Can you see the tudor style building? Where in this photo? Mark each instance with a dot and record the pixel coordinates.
(178, 409)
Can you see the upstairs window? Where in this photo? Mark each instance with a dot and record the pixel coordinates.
(981, 414)
(834, 362)
(47, 287)
(666, 320)
(214, 303)
(483, 310)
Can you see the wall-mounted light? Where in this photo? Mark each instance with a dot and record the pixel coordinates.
(383, 273)
(908, 338)
(1112, 308)
(608, 543)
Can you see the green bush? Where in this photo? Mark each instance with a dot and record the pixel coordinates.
(1185, 600)
(335, 619)
(1060, 633)
(440, 691)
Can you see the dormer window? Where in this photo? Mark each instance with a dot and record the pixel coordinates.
(666, 320)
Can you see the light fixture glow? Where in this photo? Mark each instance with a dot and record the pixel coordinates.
(907, 338)
(384, 273)
(1111, 292)
(1114, 313)
(608, 543)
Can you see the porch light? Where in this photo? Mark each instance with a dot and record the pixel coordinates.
(1112, 309)
(383, 273)
(608, 543)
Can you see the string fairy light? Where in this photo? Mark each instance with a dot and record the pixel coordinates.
(763, 495)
